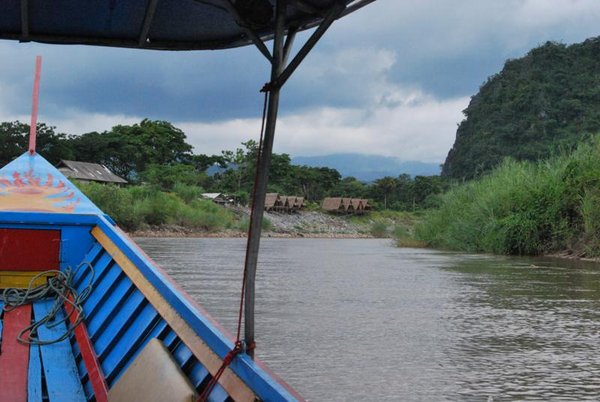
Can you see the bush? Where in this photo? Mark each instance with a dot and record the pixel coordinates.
(244, 225)
(159, 208)
(379, 229)
(521, 207)
(590, 211)
(188, 193)
(115, 201)
(405, 238)
(135, 207)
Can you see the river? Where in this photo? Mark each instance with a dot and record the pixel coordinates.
(349, 319)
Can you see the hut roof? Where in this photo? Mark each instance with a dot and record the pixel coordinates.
(271, 200)
(88, 171)
(212, 196)
(332, 203)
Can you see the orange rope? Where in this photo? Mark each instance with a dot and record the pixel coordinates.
(239, 347)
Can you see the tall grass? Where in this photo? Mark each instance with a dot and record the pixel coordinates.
(522, 208)
(138, 207)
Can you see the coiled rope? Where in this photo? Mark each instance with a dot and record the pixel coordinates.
(59, 286)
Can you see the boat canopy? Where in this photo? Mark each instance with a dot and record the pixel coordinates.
(160, 25)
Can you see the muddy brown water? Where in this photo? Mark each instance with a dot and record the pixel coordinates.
(358, 319)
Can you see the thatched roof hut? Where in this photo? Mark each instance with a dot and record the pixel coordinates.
(272, 201)
(283, 203)
(345, 205)
(333, 204)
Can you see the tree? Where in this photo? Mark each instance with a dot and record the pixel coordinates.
(166, 176)
(539, 104)
(237, 177)
(425, 186)
(127, 150)
(349, 187)
(202, 162)
(314, 183)
(384, 187)
(14, 140)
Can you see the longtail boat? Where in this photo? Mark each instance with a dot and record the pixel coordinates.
(85, 314)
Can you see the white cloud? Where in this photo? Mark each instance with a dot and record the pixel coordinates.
(385, 118)
(415, 126)
(79, 123)
(547, 13)
(73, 122)
(423, 131)
(389, 119)
(426, 29)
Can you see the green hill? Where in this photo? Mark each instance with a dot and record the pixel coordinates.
(547, 100)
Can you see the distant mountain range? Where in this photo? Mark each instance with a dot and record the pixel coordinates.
(368, 167)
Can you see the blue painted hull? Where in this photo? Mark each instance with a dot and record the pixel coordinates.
(132, 300)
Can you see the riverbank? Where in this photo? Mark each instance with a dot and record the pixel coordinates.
(304, 224)
(309, 224)
(549, 207)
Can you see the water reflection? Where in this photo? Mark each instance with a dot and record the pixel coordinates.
(361, 320)
(526, 329)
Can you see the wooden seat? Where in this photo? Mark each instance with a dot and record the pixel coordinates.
(154, 376)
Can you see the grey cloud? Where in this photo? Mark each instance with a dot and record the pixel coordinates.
(443, 49)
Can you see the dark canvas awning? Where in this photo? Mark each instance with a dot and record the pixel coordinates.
(157, 24)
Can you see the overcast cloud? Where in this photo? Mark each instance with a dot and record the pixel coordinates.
(391, 79)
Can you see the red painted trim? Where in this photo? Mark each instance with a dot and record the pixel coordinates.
(29, 249)
(34, 106)
(90, 359)
(14, 359)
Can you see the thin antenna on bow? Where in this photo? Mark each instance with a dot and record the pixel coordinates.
(34, 107)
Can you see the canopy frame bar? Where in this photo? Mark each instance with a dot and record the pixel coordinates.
(289, 42)
(305, 6)
(249, 32)
(279, 76)
(334, 13)
(148, 17)
(24, 20)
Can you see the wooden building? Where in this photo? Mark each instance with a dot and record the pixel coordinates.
(218, 198)
(87, 172)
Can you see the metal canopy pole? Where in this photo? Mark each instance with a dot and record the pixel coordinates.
(262, 177)
(281, 51)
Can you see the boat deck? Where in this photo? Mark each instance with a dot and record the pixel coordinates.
(32, 372)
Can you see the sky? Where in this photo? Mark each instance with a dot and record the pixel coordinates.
(391, 79)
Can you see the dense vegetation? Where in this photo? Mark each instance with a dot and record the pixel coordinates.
(547, 101)
(524, 208)
(156, 154)
(137, 207)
